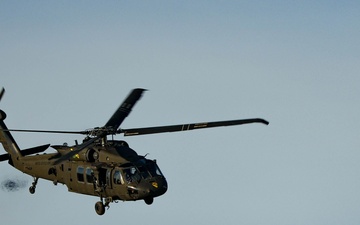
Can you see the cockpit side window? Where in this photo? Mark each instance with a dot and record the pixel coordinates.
(131, 175)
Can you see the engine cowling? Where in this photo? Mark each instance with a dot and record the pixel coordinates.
(89, 155)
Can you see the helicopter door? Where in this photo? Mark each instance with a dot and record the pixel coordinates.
(102, 176)
(108, 178)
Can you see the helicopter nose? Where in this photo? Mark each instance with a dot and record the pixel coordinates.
(154, 187)
(158, 186)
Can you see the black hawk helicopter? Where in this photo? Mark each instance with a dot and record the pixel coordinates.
(109, 169)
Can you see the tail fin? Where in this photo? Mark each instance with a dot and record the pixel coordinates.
(10, 146)
(7, 140)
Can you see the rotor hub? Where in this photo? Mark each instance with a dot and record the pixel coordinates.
(100, 131)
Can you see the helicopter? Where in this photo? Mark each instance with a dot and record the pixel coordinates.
(98, 166)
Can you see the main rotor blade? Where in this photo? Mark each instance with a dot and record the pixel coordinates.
(124, 109)
(48, 131)
(185, 127)
(77, 149)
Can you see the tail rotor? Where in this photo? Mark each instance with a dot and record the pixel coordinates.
(2, 113)
(2, 93)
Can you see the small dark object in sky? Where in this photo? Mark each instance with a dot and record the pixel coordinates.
(13, 185)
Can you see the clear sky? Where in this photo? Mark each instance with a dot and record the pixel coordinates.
(67, 65)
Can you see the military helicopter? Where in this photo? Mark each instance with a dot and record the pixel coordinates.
(108, 169)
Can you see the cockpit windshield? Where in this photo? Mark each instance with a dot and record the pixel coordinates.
(153, 168)
(144, 172)
(131, 173)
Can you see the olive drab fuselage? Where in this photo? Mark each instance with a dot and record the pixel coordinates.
(101, 171)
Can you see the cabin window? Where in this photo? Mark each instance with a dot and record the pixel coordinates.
(80, 174)
(89, 175)
(118, 178)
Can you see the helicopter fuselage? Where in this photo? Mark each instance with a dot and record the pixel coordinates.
(101, 171)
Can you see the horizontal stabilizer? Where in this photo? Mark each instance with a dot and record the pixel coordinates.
(34, 150)
(4, 157)
(25, 152)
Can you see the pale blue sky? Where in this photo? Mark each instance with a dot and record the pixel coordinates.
(68, 65)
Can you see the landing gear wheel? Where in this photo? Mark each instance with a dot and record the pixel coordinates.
(100, 208)
(149, 200)
(32, 190)
(33, 186)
